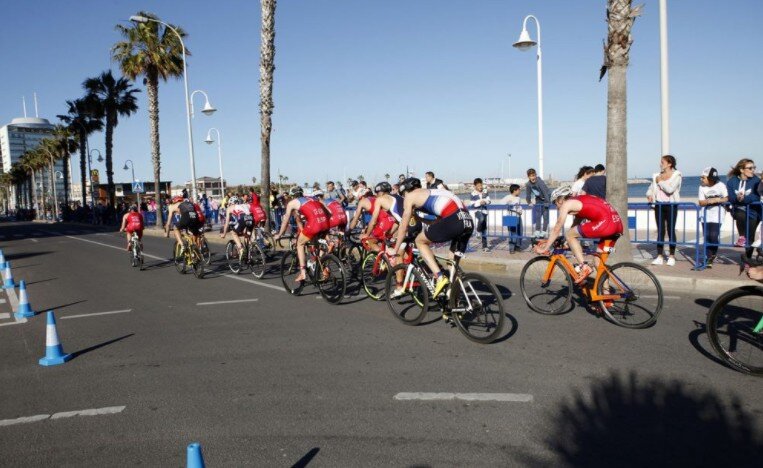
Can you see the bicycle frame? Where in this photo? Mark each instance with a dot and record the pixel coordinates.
(558, 257)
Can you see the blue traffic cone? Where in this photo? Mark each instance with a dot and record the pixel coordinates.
(8, 284)
(2, 260)
(24, 310)
(54, 352)
(195, 460)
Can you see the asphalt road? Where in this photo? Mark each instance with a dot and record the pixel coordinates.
(281, 380)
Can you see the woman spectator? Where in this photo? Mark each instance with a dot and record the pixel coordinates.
(742, 187)
(664, 192)
(583, 174)
(712, 194)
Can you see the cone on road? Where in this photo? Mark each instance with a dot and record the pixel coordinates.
(25, 309)
(2, 260)
(8, 284)
(194, 459)
(54, 352)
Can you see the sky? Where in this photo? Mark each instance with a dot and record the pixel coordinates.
(370, 87)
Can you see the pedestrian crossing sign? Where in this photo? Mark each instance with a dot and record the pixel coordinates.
(137, 187)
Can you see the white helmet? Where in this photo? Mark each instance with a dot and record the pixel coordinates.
(561, 191)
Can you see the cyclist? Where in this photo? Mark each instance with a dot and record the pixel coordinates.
(453, 223)
(255, 208)
(385, 223)
(594, 218)
(338, 218)
(190, 219)
(386, 212)
(132, 221)
(239, 221)
(315, 225)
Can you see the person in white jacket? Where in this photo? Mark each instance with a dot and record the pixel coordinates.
(664, 192)
(480, 200)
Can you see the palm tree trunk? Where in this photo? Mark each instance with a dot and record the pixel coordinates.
(267, 66)
(52, 181)
(109, 162)
(66, 157)
(152, 89)
(617, 153)
(82, 161)
(35, 205)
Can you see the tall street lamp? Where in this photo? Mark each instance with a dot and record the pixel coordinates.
(90, 170)
(525, 43)
(209, 141)
(132, 166)
(208, 109)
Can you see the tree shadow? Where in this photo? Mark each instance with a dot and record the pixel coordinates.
(20, 255)
(635, 421)
(100, 345)
(16, 267)
(307, 458)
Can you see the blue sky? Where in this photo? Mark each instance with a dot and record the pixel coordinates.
(367, 87)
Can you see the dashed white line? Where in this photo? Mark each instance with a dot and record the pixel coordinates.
(24, 420)
(114, 247)
(66, 414)
(424, 396)
(34, 240)
(97, 313)
(258, 283)
(226, 302)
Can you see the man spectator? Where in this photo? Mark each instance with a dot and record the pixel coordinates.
(538, 196)
(400, 179)
(480, 200)
(214, 207)
(332, 193)
(434, 183)
(596, 185)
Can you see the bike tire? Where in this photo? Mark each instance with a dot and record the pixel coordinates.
(131, 252)
(483, 320)
(257, 261)
(197, 262)
(232, 257)
(205, 252)
(374, 284)
(549, 298)
(730, 321)
(334, 286)
(268, 244)
(179, 259)
(411, 307)
(289, 271)
(355, 256)
(642, 298)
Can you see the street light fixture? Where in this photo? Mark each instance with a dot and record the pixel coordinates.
(209, 141)
(524, 43)
(208, 108)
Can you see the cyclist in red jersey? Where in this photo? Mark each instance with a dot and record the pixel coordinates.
(132, 221)
(316, 223)
(594, 218)
(258, 213)
(338, 217)
(384, 225)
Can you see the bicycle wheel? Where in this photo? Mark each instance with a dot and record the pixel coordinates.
(268, 244)
(734, 324)
(232, 255)
(179, 258)
(197, 262)
(412, 306)
(374, 283)
(257, 261)
(331, 278)
(289, 271)
(205, 252)
(477, 308)
(131, 252)
(640, 300)
(550, 297)
(355, 255)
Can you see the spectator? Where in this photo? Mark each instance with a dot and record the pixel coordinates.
(395, 189)
(743, 190)
(214, 207)
(343, 192)
(434, 183)
(332, 193)
(480, 201)
(596, 184)
(664, 192)
(712, 194)
(514, 205)
(538, 196)
(582, 176)
(400, 179)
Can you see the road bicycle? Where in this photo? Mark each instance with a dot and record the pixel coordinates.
(626, 293)
(324, 271)
(735, 325)
(251, 257)
(206, 254)
(349, 250)
(471, 301)
(188, 254)
(264, 240)
(374, 270)
(136, 251)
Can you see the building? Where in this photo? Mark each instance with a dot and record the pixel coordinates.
(209, 185)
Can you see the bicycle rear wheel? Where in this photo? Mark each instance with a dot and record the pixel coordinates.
(257, 261)
(331, 278)
(131, 252)
(179, 258)
(268, 243)
(197, 262)
(232, 255)
(640, 301)
(731, 329)
(550, 297)
(205, 252)
(477, 308)
(289, 271)
(413, 304)
(374, 283)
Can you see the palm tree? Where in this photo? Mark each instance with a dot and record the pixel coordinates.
(81, 118)
(152, 51)
(65, 146)
(267, 66)
(620, 18)
(29, 162)
(114, 98)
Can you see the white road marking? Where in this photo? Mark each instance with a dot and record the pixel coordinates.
(114, 247)
(5, 315)
(67, 414)
(14, 306)
(258, 283)
(512, 397)
(226, 302)
(97, 313)
(34, 240)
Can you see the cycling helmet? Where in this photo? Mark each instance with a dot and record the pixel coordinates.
(383, 187)
(561, 191)
(133, 207)
(296, 191)
(362, 192)
(409, 184)
(234, 200)
(317, 193)
(177, 199)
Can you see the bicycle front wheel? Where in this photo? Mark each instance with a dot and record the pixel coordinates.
(257, 261)
(232, 256)
(373, 277)
(477, 308)
(549, 297)
(640, 295)
(331, 278)
(409, 300)
(289, 272)
(179, 258)
(734, 328)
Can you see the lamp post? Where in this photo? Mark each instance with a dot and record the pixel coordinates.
(132, 166)
(208, 109)
(90, 170)
(525, 43)
(664, 91)
(209, 141)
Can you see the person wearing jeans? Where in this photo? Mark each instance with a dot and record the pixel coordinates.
(480, 201)
(538, 196)
(712, 195)
(743, 186)
(664, 192)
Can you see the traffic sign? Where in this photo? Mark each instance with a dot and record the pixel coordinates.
(137, 187)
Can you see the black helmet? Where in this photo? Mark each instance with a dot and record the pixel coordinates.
(383, 187)
(296, 191)
(411, 183)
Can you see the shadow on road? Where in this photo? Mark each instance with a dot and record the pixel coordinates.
(20, 255)
(513, 327)
(504, 292)
(101, 345)
(636, 421)
(63, 306)
(41, 281)
(709, 354)
(307, 458)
